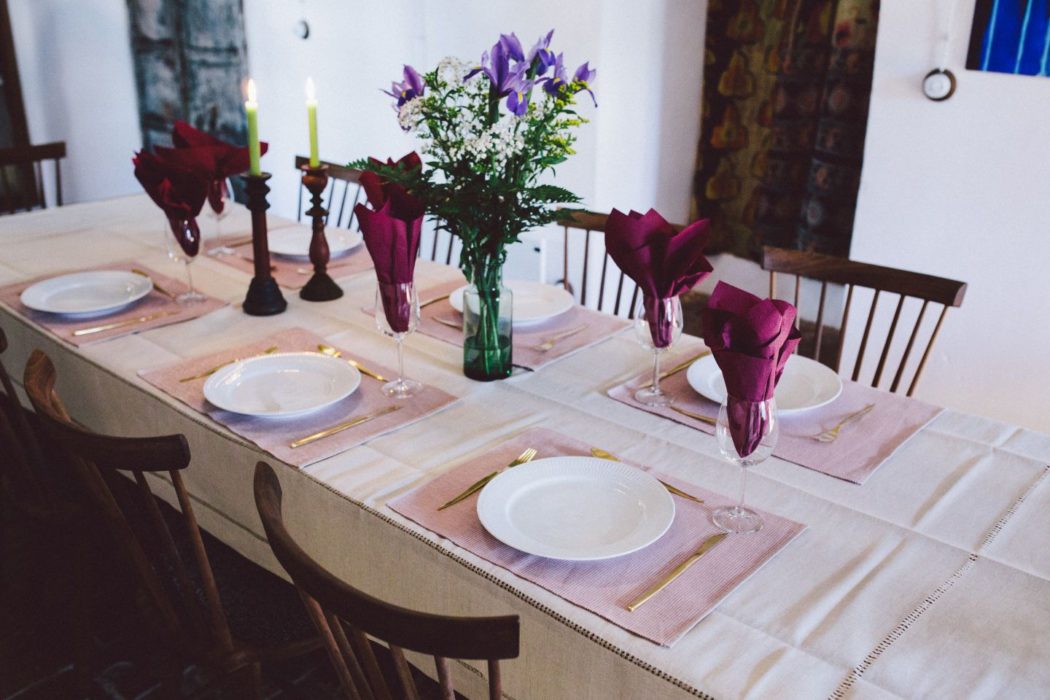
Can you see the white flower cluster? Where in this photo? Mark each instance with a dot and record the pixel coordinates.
(451, 70)
(410, 114)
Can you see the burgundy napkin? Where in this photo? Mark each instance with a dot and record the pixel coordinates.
(208, 157)
(663, 263)
(391, 231)
(751, 340)
(176, 190)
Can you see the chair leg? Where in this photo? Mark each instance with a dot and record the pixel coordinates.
(81, 620)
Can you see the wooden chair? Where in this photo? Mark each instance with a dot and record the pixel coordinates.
(22, 472)
(577, 223)
(22, 176)
(828, 269)
(181, 597)
(333, 603)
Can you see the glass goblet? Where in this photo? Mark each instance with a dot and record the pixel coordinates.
(747, 432)
(669, 315)
(403, 303)
(187, 232)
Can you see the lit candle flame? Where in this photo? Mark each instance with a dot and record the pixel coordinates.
(311, 93)
(251, 91)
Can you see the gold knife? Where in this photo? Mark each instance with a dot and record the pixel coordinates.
(604, 454)
(678, 368)
(128, 322)
(706, 547)
(695, 416)
(342, 426)
(435, 300)
(523, 458)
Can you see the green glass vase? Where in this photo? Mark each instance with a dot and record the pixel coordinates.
(488, 317)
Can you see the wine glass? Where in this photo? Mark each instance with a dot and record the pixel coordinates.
(218, 209)
(186, 230)
(403, 303)
(669, 328)
(747, 432)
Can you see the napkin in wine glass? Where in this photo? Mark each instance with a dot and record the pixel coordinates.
(210, 158)
(391, 230)
(662, 262)
(751, 340)
(179, 192)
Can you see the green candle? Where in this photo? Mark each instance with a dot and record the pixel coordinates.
(311, 116)
(251, 108)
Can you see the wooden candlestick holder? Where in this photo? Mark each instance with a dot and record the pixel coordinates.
(264, 296)
(321, 286)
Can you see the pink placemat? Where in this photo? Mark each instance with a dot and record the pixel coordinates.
(437, 319)
(606, 587)
(159, 309)
(276, 435)
(290, 274)
(862, 446)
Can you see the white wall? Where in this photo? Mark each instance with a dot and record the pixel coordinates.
(74, 62)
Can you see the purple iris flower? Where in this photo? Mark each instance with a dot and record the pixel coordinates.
(553, 84)
(512, 46)
(540, 57)
(585, 74)
(408, 89)
(496, 65)
(518, 99)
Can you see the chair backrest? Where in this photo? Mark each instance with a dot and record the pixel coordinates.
(828, 269)
(131, 513)
(344, 192)
(590, 225)
(22, 471)
(344, 616)
(22, 176)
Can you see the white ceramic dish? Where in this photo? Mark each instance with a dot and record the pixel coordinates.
(87, 294)
(294, 242)
(576, 508)
(281, 385)
(534, 302)
(805, 384)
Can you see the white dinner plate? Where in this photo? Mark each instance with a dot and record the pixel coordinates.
(282, 384)
(576, 508)
(534, 302)
(805, 384)
(294, 242)
(87, 294)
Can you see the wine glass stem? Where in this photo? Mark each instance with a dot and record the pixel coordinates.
(400, 362)
(743, 487)
(656, 372)
(189, 275)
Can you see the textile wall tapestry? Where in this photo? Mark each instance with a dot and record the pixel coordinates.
(1011, 36)
(785, 108)
(190, 60)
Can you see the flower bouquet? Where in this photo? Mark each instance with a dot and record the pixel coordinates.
(487, 134)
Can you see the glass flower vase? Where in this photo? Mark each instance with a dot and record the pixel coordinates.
(488, 316)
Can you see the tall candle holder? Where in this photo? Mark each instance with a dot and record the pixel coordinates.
(264, 296)
(321, 286)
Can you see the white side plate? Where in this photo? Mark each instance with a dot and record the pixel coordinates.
(805, 384)
(576, 508)
(294, 242)
(534, 302)
(282, 384)
(87, 294)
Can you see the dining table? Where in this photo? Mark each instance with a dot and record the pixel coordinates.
(931, 579)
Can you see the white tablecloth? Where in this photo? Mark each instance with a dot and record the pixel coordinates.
(931, 580)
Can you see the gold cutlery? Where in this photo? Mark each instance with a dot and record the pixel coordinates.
(706, 547)
(435, 300)
(232, 244)
(677, 368)
(695, 416)
(342, 426)
(332, 352)
(602, 454)
(550, 341)
(524, 457)
(121, 324)
(449, 322)
(329, 268)
(831, 434)
(162, 290)
(268, 351)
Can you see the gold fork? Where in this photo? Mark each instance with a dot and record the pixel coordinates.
(332, 352)
(524, 457)
(550, 341)
(602, 454)
(832, 434)
(695, 416)
(684, 364)
(268, 351)
(171, 295)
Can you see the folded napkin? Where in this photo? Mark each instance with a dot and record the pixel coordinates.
(663, 263)
(208, 157)
(391, 230)
(176, 190)
(751, 340)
